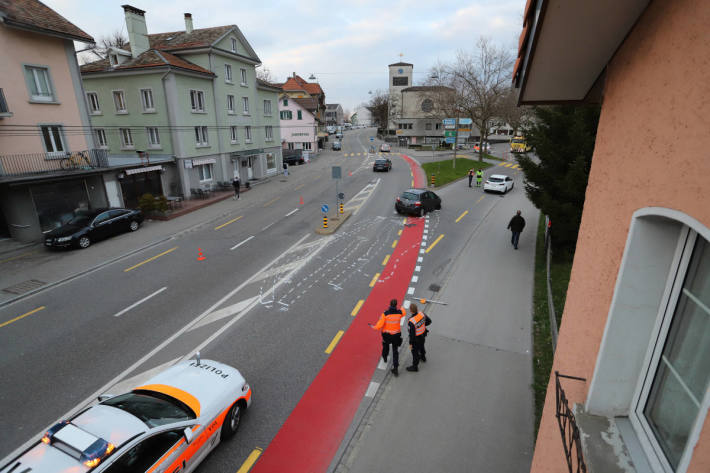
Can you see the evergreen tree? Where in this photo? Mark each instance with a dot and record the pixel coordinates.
(563, 140)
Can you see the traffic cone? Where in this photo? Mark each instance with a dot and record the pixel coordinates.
(301, 201)
(200, 256)
(350, 173)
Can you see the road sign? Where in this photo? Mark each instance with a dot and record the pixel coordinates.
(450, 139)
(336, 172)
(341, 195)
(465, 121)
(449, 121)
(372, 138)
(324, 208)
(449, 133)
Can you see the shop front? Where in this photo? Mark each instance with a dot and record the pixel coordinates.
(139, 181)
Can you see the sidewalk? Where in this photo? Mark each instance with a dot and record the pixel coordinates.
(470, 406)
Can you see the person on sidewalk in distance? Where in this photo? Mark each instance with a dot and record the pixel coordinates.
(516, 225)
(390, 324)
(479, 178)
(418, 323)
(470, 177)
(236, 184)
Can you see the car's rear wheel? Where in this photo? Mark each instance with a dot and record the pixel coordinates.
(84, 242)
(421, 212)
(438, 206)
(231, 422)
(133, 226)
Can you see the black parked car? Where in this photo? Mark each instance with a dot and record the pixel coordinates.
(417, 202)
(293, 159)
(382, 164)
(93, 225)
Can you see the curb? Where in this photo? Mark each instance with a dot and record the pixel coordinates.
(334, 223)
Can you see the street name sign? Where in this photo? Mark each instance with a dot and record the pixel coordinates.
(450, 139)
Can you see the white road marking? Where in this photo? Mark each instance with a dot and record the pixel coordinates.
(418, 268)
(240, 244)
(406, 306)
(268, 226)
(410, 291)
(415, 278)
(139, 379)
(225, 312)
(420, 259)
(139, 302)
(424, 237)
(372, 389)
(291, 212)
(382, 365)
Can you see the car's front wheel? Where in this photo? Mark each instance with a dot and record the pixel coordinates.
(231, 422)
(84, 242)
(133, 226)
(421, 212)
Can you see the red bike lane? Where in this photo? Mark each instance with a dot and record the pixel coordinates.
(311, 435)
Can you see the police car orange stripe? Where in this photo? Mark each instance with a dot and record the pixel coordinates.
(187, 398)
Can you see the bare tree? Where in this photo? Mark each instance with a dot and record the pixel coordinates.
(114, 40)
(518, 117)
(481, 80)
(264, 73)
(378, 106)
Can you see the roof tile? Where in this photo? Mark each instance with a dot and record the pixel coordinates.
(35, 14)
(150, 58)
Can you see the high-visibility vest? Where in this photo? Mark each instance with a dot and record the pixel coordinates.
(393, 322)
(419, 324)
(479, 174)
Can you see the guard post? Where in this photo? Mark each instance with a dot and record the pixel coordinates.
(433, 180)
(325, 221)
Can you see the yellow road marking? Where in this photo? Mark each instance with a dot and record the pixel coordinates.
(404, 221)
(384, 261)
(17, 257)
(480, 199)
(358, 154)
(299, 187)
(21, 316)
(438, 239)
(412, 182)
(335, 341)
(399, 233)
(501, 164)
(507, 165)
(374, 279)
(357, 307)
(249, 462)
(227, 223)
(461, 216)
(150, 259)
(272, 201)
(394, 243)
(516, 166)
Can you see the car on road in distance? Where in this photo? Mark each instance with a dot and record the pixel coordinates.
(339, 135)
(330, 129)
(417, 202)
(385, 148)
(170, 424)
(498, 183)
(337, 146)
(88, 226)
(382, 164)
(293, 159)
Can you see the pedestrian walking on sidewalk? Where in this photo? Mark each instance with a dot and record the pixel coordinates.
(470, 177)
(390, 324)
(285, 169)
(417, 325)
(236, 184)
(516, 225)
(479, 178)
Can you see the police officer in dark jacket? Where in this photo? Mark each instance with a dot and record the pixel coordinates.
(516, 225)
(389, 324)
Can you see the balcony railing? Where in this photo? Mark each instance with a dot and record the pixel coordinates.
(568, 427)
(28, 164)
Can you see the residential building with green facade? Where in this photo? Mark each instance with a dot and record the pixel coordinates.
(182, 110)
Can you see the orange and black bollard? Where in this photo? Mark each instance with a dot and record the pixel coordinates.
(325, 221)
(433, 180)
(341, 207)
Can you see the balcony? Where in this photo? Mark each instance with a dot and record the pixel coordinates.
(28, 165)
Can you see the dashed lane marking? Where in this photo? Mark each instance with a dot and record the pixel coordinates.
(272, 201)
(300, 186)
(241, 243)
(461, 216)
(357, 307)
(22, 316)
(384, 261)
(438, 239)
(227, 223)
(150, 259)
(410, 291)
(291, 212)
(249, 462)
(334, 342)
(139, 302)
(394, 243)
(374, 280)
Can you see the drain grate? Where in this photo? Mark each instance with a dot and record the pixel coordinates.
(25, 286)
(434, 287)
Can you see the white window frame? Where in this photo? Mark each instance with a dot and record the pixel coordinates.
(247, 134)
(153, 135)
(647, 439)
(307, 145)
(202, 174)
(234, 135)
(234, 44)
(245, 105)
(92, 98)
(56, 150)
(197, 101)
(267, 109)
(101, 139)
(228, 74)
(230, 104)
(268, 133)
(121, 96)
(202, 139)
(145, 98)
(113, 58)
(243, 73)
(126, 138)
(286, 115)
(40, 96)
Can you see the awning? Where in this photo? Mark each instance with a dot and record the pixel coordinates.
(197, 162)
(145, 169)
(322, 134)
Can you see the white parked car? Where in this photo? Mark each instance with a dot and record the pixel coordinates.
(498, 183)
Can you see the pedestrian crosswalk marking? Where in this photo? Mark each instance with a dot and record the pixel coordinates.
(410, 291)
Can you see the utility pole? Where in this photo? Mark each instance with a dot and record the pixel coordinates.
(456, 137)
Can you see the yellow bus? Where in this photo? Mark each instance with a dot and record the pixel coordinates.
(519, 145)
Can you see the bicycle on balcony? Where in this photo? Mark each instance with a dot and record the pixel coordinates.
(76, 160)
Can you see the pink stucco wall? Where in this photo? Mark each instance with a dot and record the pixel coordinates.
(19, 48)
(292, 131)
(651, 150)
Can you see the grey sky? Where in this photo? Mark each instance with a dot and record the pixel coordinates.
(347, 44)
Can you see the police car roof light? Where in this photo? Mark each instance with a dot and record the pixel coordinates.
(49, 435)
(96, 452)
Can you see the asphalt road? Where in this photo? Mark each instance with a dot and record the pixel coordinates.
(268, 298)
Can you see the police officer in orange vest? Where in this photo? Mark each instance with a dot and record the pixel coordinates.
(418, 323)
(390, 326)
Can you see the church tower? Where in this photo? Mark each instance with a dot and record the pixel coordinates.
(400, 78)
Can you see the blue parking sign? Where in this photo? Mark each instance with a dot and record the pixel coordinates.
(324, 208)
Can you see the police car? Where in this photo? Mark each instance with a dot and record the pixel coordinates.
(169, 424)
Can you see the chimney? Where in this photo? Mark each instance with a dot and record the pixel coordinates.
(188, 23)
(294, 75)
(137, 30)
